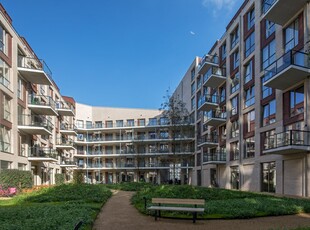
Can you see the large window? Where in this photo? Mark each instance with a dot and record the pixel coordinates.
(270, 28)
(119, 123)
(3, 40)
(193, 103)
(234, 151)
(6, 108)
(236, 59)
(234, 86)
(251, 18)
(250, 121)
(297, 101)
(269, 113)
(5, 139)
(291, 35)
(268, 139)
(250, 44)
(89, 124)
(223, 51)
(234, 132)
(193, 89)
(234, 37)
(79, 124)
(235, 177)
(248, 73)
(152, 121)
(5, 165)
(266, 91)
(269, 54)
(234, 105)
(130, 122)
(223, 94)
(249, 97)
(193, 74)
(4, 74)
(269, 177)
(249, 148)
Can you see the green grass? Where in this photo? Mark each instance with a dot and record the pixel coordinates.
(222, 203)
(59, 207)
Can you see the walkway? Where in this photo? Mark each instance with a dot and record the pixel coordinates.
(118, 214)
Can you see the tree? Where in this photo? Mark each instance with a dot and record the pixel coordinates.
(180, 127)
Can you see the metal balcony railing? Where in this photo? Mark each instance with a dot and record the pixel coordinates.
(42, 152)
(67, 127)
(217, 156)
(41, 100)
(214, 99)
(217, 113)
(64, 141)
(68, 163)
(213, 70)
(208, 58)
(35, 121)
(35, 64)
(208, 139)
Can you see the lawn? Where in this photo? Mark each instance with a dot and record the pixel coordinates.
(222, 203)
(59, 207)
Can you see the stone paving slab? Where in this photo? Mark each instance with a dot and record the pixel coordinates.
(118, 214)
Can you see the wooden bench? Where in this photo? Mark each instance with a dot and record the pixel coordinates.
(168, 202)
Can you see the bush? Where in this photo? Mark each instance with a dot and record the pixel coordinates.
(59, 179)
(78, 177)
(16, 178)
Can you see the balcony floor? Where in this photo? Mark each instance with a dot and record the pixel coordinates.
(206, 66)
(65, 112)
(285, 150)
(35, 76)
(42, 159)
(68, 132)
(283, 10)
(207, 106)
(34, 130)
(214, 162)
(288, 77)
(215, 81)
(208, 144)
(215, 122)
(43, 110)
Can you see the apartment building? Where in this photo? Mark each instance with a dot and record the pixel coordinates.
(36, 121)
(252, 93)
(119, 144)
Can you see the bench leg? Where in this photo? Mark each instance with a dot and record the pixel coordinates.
(156, 215)
(194, 217)
(159, 213)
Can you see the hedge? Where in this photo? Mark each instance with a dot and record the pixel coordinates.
(16, 178)
(59, 179)
(78, 177)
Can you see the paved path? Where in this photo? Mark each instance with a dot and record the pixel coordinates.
(118, 214)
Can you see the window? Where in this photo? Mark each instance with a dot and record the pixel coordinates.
(163, 121)
(193, 74)
(249, 97)
(193, 103)
(234, 37)
(235, 177)
(5, 165)
(6, 108)
(234, 132)
(108, 124)
(199, 82)
(3, 40)
(251, 18)
(270, 28)
(5, 140)
(4, 73)
(250, 121)
(234, 151)
(152, 135)
(234, 85)
(223, 52)
(119, 123)
(141, 122)
(130, 122)
(297, 101)
(266, 91)
(268, 139)
(249, 148)
(22, 166)
(269, 177)
(89, 124)
(291, 36)
(193, 89)
(248, 73)
(152, 121)
(250, 44)
(222, 94)
(266, 4)
(269, 113)
(235, 60)
(269, 54)
(98, 124)
(234, 105)
(164, 135)
(79, 124)
(20, 92)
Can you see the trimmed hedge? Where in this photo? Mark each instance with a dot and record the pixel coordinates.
(59, 179)
(78, 177)
(16, 178)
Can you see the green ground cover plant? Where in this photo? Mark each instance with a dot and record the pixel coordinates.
(58, 207)
(222, 203)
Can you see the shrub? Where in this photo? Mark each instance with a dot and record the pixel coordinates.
(59, 179)
(78, 177)
(16, 178)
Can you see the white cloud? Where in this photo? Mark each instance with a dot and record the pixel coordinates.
(192, 33)
(219, 5)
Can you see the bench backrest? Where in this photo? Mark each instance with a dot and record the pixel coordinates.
(178, 201)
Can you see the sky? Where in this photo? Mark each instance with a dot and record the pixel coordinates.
(120, 53)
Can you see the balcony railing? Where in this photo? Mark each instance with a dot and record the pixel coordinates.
(35, 121)
(289, 69)
(65, 109)
(206, 61)
(214, 157)
(4, 82)
(67, 127)
(208, 139)
(41, 100)
(73, 163)
(217, 113)
(5, 147)
(214, 76)
(64, 141)
(42, 152)
(211, 99)
(35, 64)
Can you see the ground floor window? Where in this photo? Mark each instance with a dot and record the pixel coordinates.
(213, 178)
(269, 177)
(199, 177)
(5, 165)
(235, 177)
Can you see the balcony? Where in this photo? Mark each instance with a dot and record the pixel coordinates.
(214, 77)
(41, 104)
(281, 11)
(288, 142)
(68, 164)
(42, 154)
(215, 117)
(34, 125)
(34, 70)
(291, 68)
(206, 62)
(64, 109)
(65, 144)
(214, 158)
(5, 147)
(208, 102)
(209, 141)
(68, 129)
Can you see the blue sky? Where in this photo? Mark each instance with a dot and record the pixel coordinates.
(120, 53)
